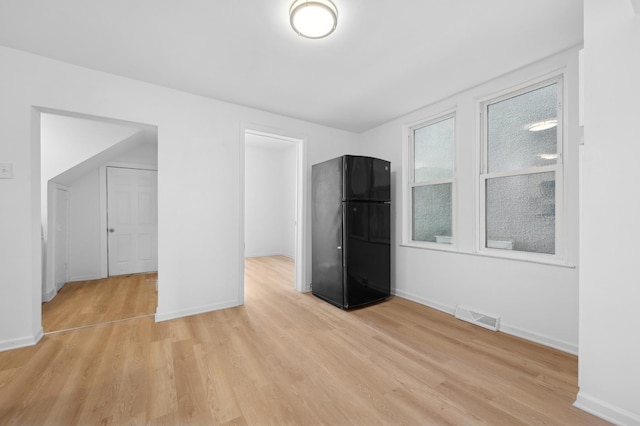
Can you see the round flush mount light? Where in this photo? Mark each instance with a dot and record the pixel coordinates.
(542, 125)
(313, 18)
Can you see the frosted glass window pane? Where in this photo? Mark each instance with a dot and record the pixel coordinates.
(521, 213)
(511, 145)
(432, 213)
(433, 151)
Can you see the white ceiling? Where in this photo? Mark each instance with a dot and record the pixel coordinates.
(385, 59)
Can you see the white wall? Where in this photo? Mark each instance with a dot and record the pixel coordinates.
(533, 300)
(85, 254)
(270, 203)
(609, 368)
(199, 149)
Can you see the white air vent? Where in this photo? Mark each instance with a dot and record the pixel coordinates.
(485, 320)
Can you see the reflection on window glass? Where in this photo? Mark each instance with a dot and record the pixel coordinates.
(521, 213)
(432, 213)
(433, 151)
(521, 130)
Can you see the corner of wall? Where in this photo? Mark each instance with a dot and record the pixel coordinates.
(166, 316)
(22, 342)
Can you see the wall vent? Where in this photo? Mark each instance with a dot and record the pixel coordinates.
(492, 322)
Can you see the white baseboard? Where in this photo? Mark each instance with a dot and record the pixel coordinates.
(48, 297)
(427, 302)
(606, 411)
(247, 256)
(85, 277)
(166, 316)
(22, 342)
(504, 327)
(539, 338)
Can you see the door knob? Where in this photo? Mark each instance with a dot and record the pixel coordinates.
(111, 230)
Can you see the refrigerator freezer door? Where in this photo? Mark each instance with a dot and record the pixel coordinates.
(380, 180)
(357, 178)
(366, 179)
(327, 230)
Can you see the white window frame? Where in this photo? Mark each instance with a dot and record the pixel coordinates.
(560, 239)
(410, 184)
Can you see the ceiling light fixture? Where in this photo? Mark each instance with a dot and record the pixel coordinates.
(542, 125)
(313, 18)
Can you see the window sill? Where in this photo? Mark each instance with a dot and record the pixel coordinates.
(491, 254)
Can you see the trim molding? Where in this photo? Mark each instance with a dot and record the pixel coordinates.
(48, 296)
(605, 410)
(539, 338)
(85, 278)
(504, 328)
(427, 302)
(247, 256)
(22, 342)
(166, 316)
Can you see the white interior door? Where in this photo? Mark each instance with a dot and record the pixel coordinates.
(132, 220)
(61, 238)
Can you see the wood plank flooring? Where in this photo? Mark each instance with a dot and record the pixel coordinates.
(286, 358)
(83, 303)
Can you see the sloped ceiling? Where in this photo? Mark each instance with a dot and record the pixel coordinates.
(385, 59)
(71, 146)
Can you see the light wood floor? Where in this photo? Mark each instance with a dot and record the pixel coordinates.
(92, 302)
(289, 358)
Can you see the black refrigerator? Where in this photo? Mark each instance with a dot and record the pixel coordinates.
(351, 251)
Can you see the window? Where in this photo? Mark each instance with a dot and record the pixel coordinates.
(431, 180)
(521, 174)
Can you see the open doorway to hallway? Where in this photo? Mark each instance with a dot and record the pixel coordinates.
(272, 207)
(86, 280)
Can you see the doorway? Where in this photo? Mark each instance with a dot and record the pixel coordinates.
(273, 182)
(75, 151)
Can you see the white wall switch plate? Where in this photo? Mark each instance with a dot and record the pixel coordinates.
(6, 171)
